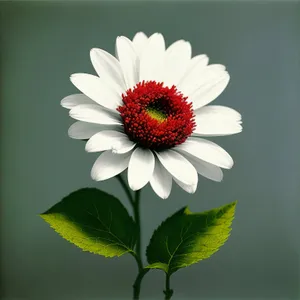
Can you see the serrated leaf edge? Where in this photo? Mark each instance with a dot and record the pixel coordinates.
(67, 237)
(185, 210)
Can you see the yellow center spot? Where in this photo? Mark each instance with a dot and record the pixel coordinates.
(156, 115)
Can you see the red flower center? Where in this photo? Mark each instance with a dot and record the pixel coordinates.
(156, 117)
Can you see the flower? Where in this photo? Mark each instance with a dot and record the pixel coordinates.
(147, 111)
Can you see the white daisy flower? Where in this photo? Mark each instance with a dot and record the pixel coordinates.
(146, 110)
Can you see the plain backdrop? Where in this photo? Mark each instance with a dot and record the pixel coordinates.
(43, 43)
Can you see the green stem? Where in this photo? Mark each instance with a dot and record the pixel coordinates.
(135, 202)
(142, 272)
(126, 189)
(168, 292)
(136, 212)
(137, 283)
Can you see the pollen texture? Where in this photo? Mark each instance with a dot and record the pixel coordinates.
(156, 117)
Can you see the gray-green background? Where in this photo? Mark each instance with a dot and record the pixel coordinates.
(43, 43)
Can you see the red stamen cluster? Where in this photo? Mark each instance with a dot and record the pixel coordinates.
(148, 132)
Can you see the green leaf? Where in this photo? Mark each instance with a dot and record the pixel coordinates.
(185, 238)
(94, 221)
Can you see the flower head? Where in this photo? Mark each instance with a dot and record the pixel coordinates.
(147, 112)
(155, 116)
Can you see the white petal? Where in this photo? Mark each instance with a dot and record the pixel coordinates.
(128, 59)
(217, 129)
(94, 113)
(140, 168)
(189, 188)
(104, 140)
(210, 90)
(83, 130)
(218, 112)
(109, 165)
(194, 70)
(123, 145)
(207, 151)
(179, 167)
(108, 68)
(97, 90)
(152, 59)
(210, 76)
(207, 77)
(73, 100)
(139, 42)
(177, 57)
(215, 120)
(161, 181)
(205, 169)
